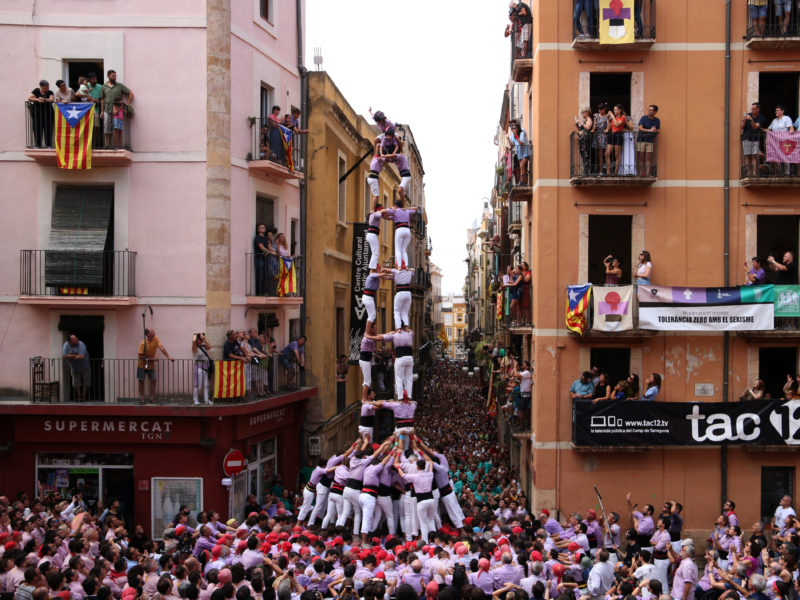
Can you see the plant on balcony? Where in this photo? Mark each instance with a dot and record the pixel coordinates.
(252, 121)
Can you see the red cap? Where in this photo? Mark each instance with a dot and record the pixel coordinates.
(64, 594)
(215, 551)
(129, 592)
(363, 554)
(380, 575)
(516, 530)
(468, 521)
(545, 512)
(283, 536)
(10, 545)
(3, 536)
(573, 546)
(265, 547)
(503, 541)
(305, 550)
(286, 546)
(376, 540)
(241, 546)
(338, 541)
(591, 512)
(536, 555)
(261, 536)
(558, 569)
(252, 514)
(297, 529)
(179, 530)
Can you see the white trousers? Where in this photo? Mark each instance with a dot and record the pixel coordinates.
(437, 518)
(201, 382)
(374, 248)
(426, 509)
(322, 503)
(453, 509)
(410, 516)
(305, 509)
(369, 512)
(364, 431)
(402, 237)
(403, 376)
(385, 508)
(662, 573)
(366, 372)
(369, 304)
(351, 508)
(335, 507)
(402, 304)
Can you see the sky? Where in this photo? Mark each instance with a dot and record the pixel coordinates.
(439, 66)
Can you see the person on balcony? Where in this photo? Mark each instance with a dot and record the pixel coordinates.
(758, 15)
(77, 357)
(95, 89)
(147, 363)
(754, 391)
(113, 93)
(584, 124)
(294, 352)
(603, 390)
(750, 129)
(782, 122)
(521, 19)
(202, 360)
(40, 102)
(63, 92)
(582, 6)
(260, 251)
(653, 383)
(600, 137)
(582, 389)
(649, 126)
(613, 271)
(618, 124)
(786, 269)
(522, 150)
(644, 269)
(783, 14)
(525, 302)
(754, 275)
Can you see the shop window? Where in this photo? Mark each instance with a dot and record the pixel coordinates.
(776, 482)
(614, 361)
(609, 234)
(262, 469)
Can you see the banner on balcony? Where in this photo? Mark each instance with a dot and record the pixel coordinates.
(787, 300)
(74, 126)
(636, 423)
(613, 308)
(287, 280)
(358, 312)
(578, 297)
(228, 379)
(744, 308)
(288, 147)
(783, 146)
(616, 22)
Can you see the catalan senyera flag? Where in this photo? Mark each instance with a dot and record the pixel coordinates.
(74, 125)
(443, 337)
(228, 379)
(616, 22)
(286, 138)
(287, 281)
(577, 304)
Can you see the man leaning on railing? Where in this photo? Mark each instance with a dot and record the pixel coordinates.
(750, 129)
(42, 119)
(648, 129)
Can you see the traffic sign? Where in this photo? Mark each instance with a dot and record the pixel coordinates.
(233, 463)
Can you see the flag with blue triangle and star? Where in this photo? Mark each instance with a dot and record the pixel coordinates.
(74, 127)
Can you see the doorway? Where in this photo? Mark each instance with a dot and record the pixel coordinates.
(89, 329)
(81, 68)
(614, 361)
(265, 212)
(774, 364)
(611, 88)
(609, 234)
(775, 235)
(778, 88)
(118, 483)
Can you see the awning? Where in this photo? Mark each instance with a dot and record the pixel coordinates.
(79, 237)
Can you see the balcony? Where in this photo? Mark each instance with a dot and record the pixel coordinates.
(272, 282)
(275, 152)
(514, 218)
(114, 381)
(766, 162)
(521, 52)
(591, 165)
(586, 32)
(77, 278)
(770, 33)
(520, 177)
(108, 149)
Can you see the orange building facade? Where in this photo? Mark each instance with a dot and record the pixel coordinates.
(566, 217)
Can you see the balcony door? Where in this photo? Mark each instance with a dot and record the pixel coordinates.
(610, 234)
(611, 88)
(89, 329)
(774, 364)
(776, 234)
(779, 88)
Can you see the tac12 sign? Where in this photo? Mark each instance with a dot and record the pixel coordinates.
(233, 463)
(639, 423)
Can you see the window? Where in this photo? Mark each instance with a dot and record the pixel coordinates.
(265, 101)
(262, 467)
(342, 213)
(773, 365)
(265, 212)
(776, 234)
(459, 319)
(612, 88)
(294, 329)
(616, 362)
(449, 332)
(265, 9)
(293, 237)
(776, 482)
(778, 88)
(609, 234)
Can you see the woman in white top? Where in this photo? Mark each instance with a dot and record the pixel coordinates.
(200, 348)
(653, 387)
(644, 269)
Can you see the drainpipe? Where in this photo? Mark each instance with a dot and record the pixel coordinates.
(303, 189)
(726, 191)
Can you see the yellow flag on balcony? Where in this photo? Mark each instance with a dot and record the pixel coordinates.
(74, 124)
(616, 21)
(443, 337)
(228, 379)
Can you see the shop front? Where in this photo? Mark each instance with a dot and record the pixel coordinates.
(155, 459)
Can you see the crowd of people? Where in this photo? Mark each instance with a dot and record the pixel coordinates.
(474, 536)
(112, 101)
(270, 249)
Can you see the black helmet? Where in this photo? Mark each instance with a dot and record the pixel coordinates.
(379, 116)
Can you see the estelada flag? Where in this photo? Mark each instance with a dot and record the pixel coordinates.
(287, 283)
(616, 22)
(783, 146)
(228, 379)
(500, 305)
(577, 304)
(613, 308)
(286, 138)
(74, 127)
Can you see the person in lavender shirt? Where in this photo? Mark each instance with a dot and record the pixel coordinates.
(550, 525)
(373, 233)
(388, 149)
(660, 541)
(352, 490)
(686, 575)
(312, 488)
(371, 285)
(643, 523)
(340, 474)
(402, 233)
(368, 499)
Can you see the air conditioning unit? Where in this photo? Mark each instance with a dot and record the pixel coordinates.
(314, 445)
